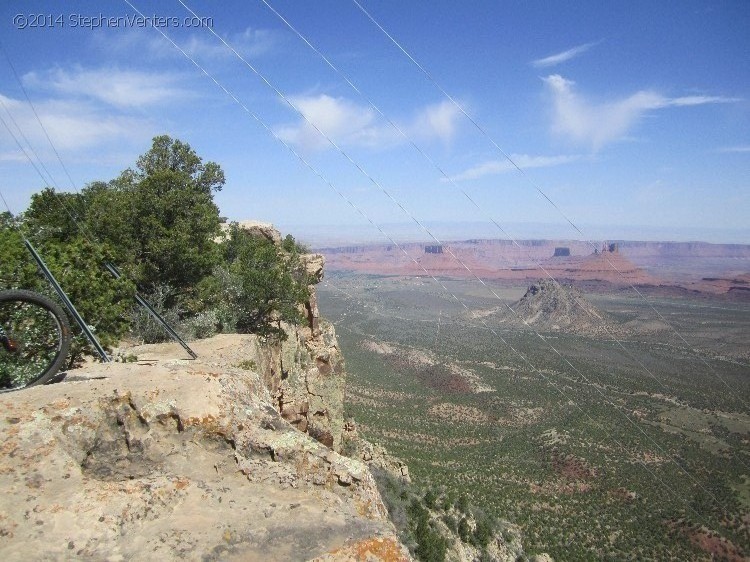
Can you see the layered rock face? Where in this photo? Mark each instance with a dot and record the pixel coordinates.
(305, 373)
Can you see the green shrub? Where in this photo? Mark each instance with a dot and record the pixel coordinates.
(203, 325)
(431, 545)
(261, 284)
(430, 499)
(484, 529)
(145, 327)
(485, 556)
(450, 522)
(462, 504)
(158, 223)
(448, 501)
(417, 510)
(247, 364)
(464, 530)
(76, 264)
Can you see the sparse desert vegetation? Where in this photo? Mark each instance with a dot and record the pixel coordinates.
(633, 446)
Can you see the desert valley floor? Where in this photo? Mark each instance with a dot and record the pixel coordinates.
(609, 420)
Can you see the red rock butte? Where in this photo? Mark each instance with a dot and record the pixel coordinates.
(493, 259)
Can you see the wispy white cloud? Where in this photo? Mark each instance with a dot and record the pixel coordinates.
(351, 124)
(201, 45)
(563, 56)
(740, 148)
(437, 121)
(12, 156)
(698, 100)
(70, 125)
(126, 42)
(250, 43)
(524, 161)
(73, 126)
(598, 124)
(119, 88)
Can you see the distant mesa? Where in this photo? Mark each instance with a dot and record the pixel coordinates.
(736, 286)
(659, 266)
(612, 248)
(606, 265)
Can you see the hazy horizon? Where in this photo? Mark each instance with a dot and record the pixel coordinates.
(322, 235)
(618, 115)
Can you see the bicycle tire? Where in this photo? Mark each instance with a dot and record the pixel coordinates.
(37, 361)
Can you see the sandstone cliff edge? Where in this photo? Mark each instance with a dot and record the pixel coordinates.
(232, 456)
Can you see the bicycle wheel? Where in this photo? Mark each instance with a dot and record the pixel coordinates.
(37, 341)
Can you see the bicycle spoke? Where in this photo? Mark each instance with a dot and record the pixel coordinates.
(38, 336)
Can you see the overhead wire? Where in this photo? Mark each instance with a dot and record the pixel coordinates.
(540, 191)
(56, 152)
(47, 183)
(46, 179)
(51, 184)
(269, 129)
(359, 211)
(453, 183)
(413, 218)
(23, 150)
(36, 115)
(81, 228)
(352, 327)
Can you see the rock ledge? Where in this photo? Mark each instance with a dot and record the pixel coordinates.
(171, 459)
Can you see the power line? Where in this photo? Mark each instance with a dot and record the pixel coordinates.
(450, 180)
(28, 99)
(51, 183)
(516, 458)
(318, 174)
(91, 240)
(414, 219)
(538, 189)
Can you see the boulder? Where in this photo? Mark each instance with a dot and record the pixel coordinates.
(262, 230)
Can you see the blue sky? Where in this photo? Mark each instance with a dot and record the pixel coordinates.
(634, 118)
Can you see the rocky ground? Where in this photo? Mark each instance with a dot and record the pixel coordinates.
(174, 459)
(548, 306)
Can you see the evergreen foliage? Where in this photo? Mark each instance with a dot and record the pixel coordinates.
(76, 264)
(262, 281)
(161, 216)
(417, 514)
(159, 225)
(464, 530)
(484, 528)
